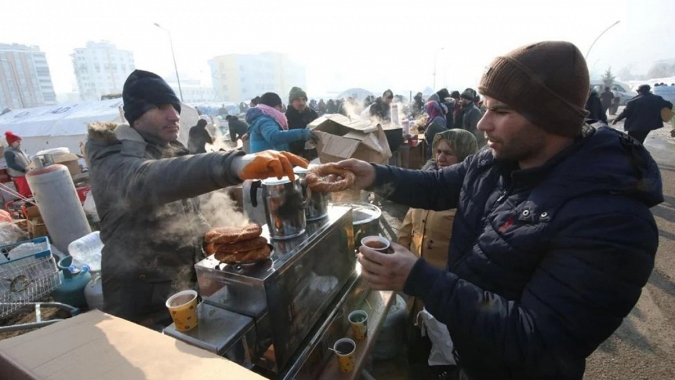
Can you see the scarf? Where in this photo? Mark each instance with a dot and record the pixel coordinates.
(274, 114)
(435, 111)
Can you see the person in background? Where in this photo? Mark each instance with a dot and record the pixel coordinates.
(643, 113)
(481, 106)
(427, 233)
(448, 103)
(553, 239)
(457, 109)
(471, 115)
(268, 126)
(199, 137)
(606, 98)
(435, 124)
(17, 164)
(145, 184)
(331, 107)
(381, 108)
(238, 128)
(418, 105)
(322, 107)
(222, 111)
(299, 116)
(595, 109)
(615, 102)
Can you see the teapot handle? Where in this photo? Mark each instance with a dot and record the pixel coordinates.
(253, 192)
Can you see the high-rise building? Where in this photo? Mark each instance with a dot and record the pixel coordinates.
(25, 80)
(239, 77)
(192, 89)
(101, 69)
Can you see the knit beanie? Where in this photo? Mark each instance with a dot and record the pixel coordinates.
(270, 99)
(546, 82)
(443, 93)
(296, 93)
(469, 94)
(11, 137)
(143, 91)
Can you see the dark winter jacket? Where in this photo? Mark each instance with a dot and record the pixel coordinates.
(237, 127)
(596, 112)
(544, 263)
(470, 119)
(606, 99)
(299, 120)
(643, 113)
(436, 126)
(150, 225)
(198, 138)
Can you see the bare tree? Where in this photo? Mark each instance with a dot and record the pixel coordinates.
(626, 72)
(661, 70)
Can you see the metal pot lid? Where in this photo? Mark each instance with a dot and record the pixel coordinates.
(275, 181)
(362, 213)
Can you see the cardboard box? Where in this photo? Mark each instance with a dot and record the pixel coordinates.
(31, 211)
(99, 346)
(341, 137)
(37, 228)
(70, 160)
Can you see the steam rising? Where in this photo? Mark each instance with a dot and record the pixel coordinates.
(220, 210)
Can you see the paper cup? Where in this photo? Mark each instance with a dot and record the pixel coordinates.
(183, 309)
(344, 350)
(358, 319)
(377, 243)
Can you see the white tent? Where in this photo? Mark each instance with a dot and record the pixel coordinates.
(65, 125)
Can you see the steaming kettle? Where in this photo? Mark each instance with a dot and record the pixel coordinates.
(284, 203)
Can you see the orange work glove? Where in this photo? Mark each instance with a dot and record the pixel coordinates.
(269, 163)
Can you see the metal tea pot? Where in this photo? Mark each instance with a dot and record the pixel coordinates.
(284, 203)
(317, 203)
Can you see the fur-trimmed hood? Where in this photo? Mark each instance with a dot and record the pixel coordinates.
(108, 138)
(112, 132)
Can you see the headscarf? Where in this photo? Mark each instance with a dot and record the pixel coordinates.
(434, 111)
(463, 143)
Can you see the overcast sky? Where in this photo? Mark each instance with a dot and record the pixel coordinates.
(362, 43)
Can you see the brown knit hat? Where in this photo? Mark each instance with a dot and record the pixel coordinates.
(546, 82)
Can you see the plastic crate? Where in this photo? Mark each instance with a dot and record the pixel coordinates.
(28, 278)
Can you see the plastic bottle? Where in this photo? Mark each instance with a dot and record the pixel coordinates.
(93, 292)
(87, 250)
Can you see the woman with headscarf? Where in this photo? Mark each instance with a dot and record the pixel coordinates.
(436, 123)
(268, 126)
(427, 234)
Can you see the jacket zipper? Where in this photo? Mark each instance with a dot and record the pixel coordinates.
(504, 194)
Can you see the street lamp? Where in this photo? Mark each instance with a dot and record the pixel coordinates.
(600, 35)
(16, 81)
(180, 90)
(435, 65)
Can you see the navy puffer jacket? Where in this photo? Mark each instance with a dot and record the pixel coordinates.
(544, 263)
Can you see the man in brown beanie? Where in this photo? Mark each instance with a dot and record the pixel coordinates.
(553, 238)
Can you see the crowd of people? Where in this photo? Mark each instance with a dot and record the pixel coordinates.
(529, 235)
